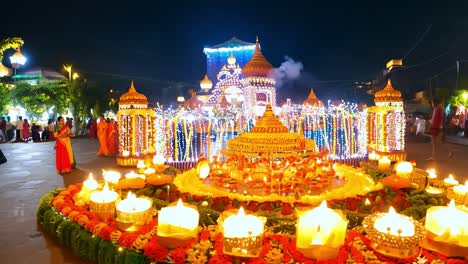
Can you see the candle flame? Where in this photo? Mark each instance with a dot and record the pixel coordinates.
(158, 160)
(451, 204)
(131, 196)
(180, 203)
(367, 202)
(432, 173)
(394, 224)
(323, 205)
(241, 212)
(90, 183)
(392, 211)
(106, 187)
(141, 164)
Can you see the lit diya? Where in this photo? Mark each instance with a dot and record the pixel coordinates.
(393, 234)
(133, 212)
(103, 202)
(447, 228)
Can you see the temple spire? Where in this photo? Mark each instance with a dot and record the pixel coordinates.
(132, 88)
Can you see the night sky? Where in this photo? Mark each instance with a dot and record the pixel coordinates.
(159, 45)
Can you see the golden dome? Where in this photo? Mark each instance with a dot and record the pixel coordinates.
(257, 65)
(206, 83)
(269, 123)
(232, 59)
(133, 98)
(388, 94)
(312, 100)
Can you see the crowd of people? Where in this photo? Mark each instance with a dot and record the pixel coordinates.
(22, 131)
(106, 130)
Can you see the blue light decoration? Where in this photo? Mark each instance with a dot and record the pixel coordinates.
(229, 84)
(217, 55)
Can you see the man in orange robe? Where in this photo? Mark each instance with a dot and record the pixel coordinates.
(102, 136)
(112, 129)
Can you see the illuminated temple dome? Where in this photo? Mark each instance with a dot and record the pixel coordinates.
(206, 84)
(132, 99)
(388, 95)
(259, 84)
(271, 138)
(312, 100)
(257, 66)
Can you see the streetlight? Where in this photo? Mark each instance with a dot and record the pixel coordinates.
(17, 59)
(71, 75)
(68, 68)
(75, 76)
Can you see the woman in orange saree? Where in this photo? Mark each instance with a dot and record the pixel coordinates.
(102, 136)
(112, 129)
(64, 159)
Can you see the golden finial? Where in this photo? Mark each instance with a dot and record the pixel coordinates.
(132, 87)
(256, 39)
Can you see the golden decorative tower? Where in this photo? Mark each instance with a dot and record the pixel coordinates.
(386, 124)
(312, 100)
(136, 128)
(270, 138)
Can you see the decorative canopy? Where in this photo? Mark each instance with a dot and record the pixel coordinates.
(388, 94)
(133, 99)
(269, 123)
(258, 65)
(231, 43)
(312, 100)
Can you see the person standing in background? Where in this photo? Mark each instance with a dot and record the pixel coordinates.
(436, 128)
(51, 127)
(3, 133)
(10, 132)
(19, 129)
(92, 128)
(102, 136)
(26, 127)
(112, 129)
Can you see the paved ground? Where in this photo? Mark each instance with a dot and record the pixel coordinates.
(30, 173)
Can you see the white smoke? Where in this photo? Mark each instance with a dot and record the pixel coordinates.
(288, 71)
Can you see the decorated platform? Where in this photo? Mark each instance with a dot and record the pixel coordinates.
(273, 196)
